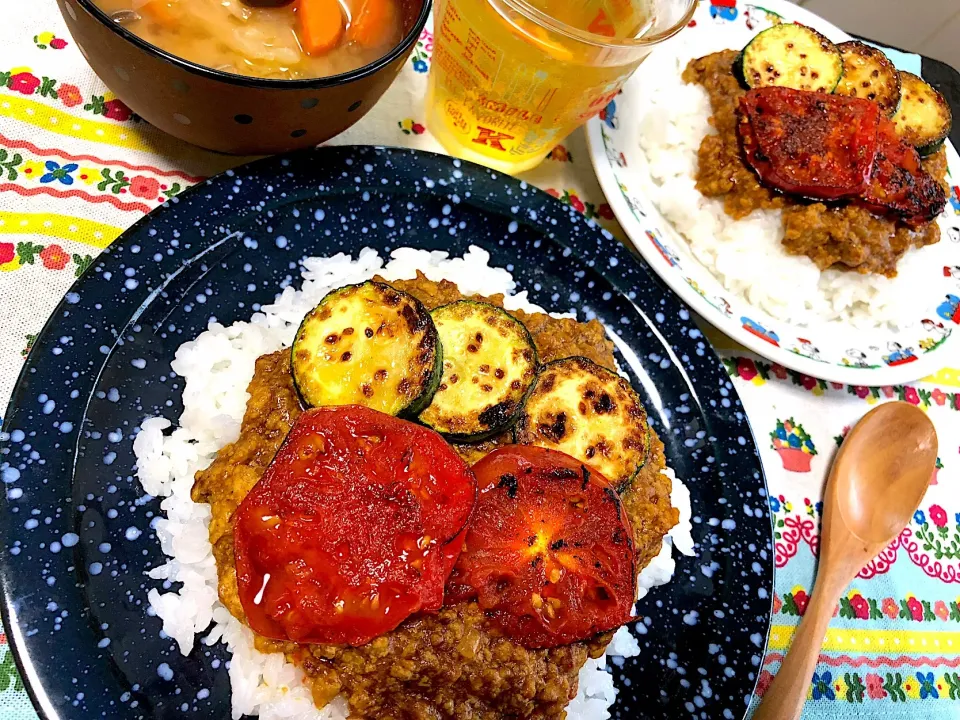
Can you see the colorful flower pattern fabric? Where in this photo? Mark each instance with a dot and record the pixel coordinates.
(77, 167)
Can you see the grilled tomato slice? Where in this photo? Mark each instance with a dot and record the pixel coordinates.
(354, 527)
(810, 144)
(549, 553)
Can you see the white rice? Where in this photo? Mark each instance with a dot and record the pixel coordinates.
(217, 367)
(746, 255)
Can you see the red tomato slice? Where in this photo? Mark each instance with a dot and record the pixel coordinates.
(899, 182)
(351, 529)
(549, 551)
(807, 143)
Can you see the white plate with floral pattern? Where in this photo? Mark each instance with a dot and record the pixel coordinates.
(835, 350)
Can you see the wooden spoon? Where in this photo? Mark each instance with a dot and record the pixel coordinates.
(878, 479)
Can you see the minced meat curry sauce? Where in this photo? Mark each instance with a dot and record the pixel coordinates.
(451, 664)
(844, 236)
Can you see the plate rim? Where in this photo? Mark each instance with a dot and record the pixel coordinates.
(925, 364)
(19, 641)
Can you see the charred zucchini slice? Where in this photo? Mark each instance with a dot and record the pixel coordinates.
(792, 56)
(590, 413)
(489, 364)
(370, 345)
(924, 118)
(869, 74)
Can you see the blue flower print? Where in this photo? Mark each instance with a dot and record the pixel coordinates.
(957, 518)
(823, 686)
(59, 173)
(919, 518)
(420, 65)
(774, 504)
(928, 688)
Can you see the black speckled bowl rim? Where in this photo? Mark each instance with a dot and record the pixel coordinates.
(89, 648)
(248, 81)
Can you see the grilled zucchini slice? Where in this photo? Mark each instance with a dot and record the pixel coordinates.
(370, 345)
(792, 56)
(489, 364)
(869, 74)
(590, 413)
(924, 118)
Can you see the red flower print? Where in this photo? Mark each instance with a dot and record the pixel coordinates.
(7, 253)
(888, 391)
(938, 515)
(605, 211)
(746, 368)
(911, 396)
(801, 599)
(875, 687)
(560, 154)
(862, 392)
(777, 603)
(938, 396)
(809, 383)
(144, 187)
(54, 257)
(779, 370)
(861, 610)
(916, 609)
(58, 43)
(24, 83)
(553, 193)
(69, 95)
(941, 610)
(763, 682)
(576, 203)
(836, 385)
(418, 129)
(890, 608)
(116, 110)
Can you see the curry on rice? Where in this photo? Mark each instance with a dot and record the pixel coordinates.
(458, 662)
(843, 235)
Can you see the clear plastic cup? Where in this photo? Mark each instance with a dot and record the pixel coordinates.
(512, 78)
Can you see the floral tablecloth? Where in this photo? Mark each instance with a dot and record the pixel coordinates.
(77, 168)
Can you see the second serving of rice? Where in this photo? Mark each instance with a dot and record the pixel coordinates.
(217, 367)
(746, 255)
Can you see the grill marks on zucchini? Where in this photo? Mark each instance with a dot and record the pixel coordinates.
(924, 118)
(489, 364)
(590, 413)
(869, 74)
(370, 345)
(793, 56)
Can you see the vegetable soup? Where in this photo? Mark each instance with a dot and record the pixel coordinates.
(283, 39)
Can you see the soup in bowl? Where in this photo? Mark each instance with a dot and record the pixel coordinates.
(247, 76)
(286, 39)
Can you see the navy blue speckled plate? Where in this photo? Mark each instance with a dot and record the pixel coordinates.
(76, 530)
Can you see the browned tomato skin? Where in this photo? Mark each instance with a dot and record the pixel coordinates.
(832, 147)
(900, 184)
(810, 144)
(549, 554)
(352, 528)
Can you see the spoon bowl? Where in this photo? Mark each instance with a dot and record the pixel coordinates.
(882, 471)
(879, 477)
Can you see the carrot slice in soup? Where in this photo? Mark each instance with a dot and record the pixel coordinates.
(321, 25)
(161, 12)
(374, 23)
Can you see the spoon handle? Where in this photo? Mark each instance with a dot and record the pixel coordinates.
(785, 697)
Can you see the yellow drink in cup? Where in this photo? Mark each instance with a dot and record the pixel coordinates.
(512, 78)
